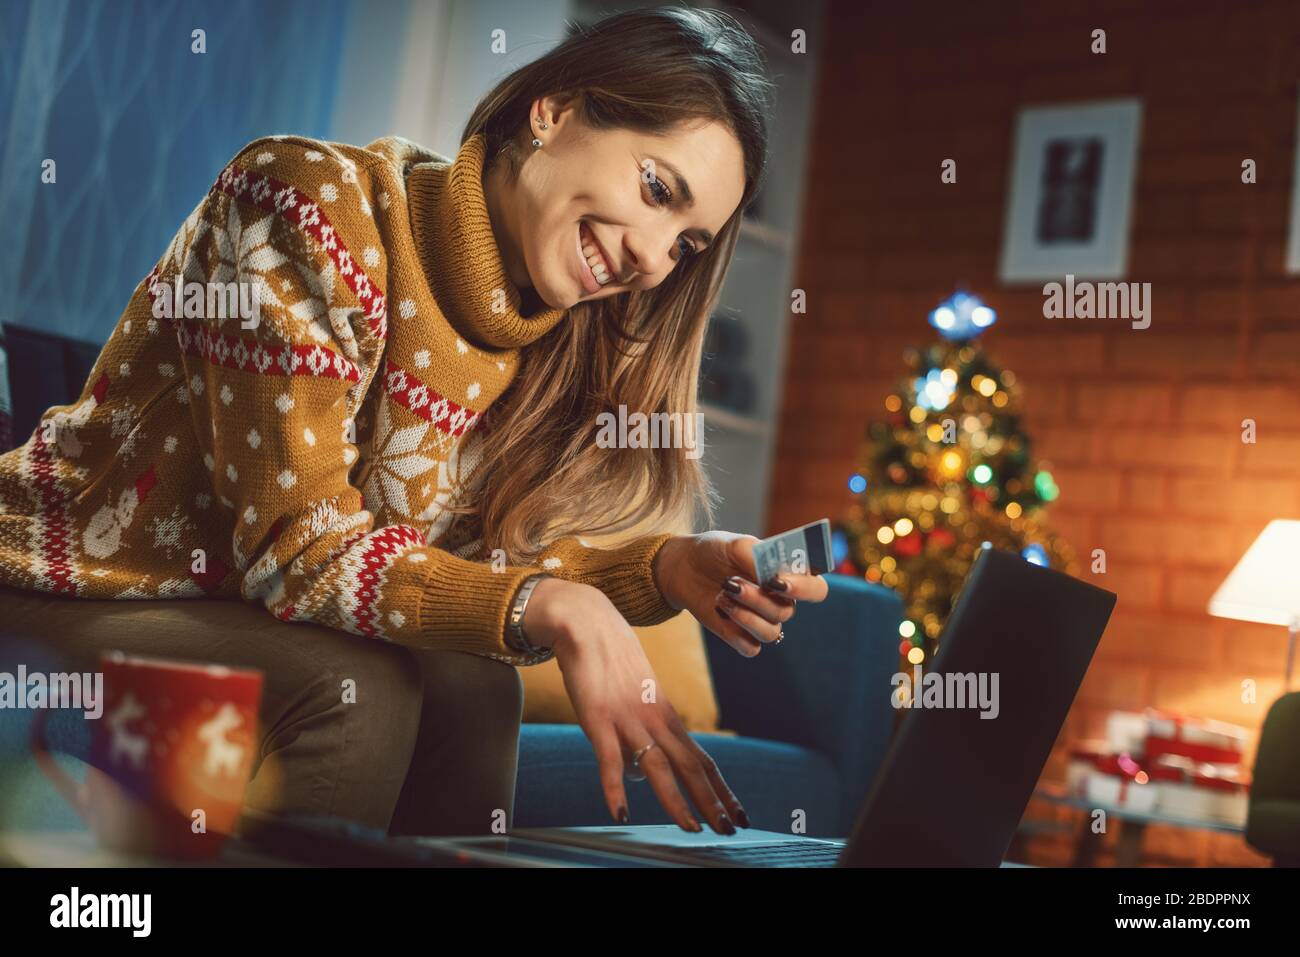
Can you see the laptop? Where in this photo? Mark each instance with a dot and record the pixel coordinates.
(962, 766)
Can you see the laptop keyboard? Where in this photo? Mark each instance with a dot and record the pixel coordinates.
(792, 854)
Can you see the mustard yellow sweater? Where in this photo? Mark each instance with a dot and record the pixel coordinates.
(303, 457)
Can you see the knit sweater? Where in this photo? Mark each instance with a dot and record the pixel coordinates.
(304, 459)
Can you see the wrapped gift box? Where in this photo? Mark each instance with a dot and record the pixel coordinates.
(1083, 761)
(1126, 732)
(1117, 780)
(1204, 741)
(1151, 734)
(1164, 762)
(1199, 791)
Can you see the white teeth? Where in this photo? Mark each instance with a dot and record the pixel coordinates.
(599, 268)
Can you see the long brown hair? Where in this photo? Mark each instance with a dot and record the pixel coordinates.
(542, 475)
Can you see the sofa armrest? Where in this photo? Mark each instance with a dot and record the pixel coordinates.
(1273, 819)
(44, 371)
(826, 687)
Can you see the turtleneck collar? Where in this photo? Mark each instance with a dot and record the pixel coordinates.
(459, 253)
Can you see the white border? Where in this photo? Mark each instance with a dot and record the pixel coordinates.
(1106, 256)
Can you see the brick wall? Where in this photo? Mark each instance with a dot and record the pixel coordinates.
(1141, 427)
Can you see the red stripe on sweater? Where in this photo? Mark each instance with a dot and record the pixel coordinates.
(54, 545)
(249, 355)
(381, 547)
(274, 196)
(408, 391)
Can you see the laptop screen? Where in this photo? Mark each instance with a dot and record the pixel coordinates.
(980, 723)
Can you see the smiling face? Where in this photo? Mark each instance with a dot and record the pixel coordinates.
(594, 213)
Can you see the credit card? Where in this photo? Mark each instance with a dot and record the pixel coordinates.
(803, 551)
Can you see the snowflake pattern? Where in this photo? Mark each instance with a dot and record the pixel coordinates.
(396, 460)
(170, 534)
(180, 257)
(325, 300)
(246, 250)
(436, 517)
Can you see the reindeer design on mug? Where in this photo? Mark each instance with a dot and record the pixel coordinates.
(124, 742)
(222, 756)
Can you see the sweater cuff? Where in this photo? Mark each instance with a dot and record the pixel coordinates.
(624, 573)
(466, 608)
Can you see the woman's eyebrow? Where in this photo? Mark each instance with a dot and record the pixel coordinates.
(679, 180)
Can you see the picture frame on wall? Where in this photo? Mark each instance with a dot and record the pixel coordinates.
(1293, 230)
(1070, 191)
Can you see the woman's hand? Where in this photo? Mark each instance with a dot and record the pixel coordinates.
(712, 575)
(621, 707)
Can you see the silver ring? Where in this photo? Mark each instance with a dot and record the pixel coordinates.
(780, 636)
(638, 775)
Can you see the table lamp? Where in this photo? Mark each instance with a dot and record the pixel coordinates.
(1265, 585)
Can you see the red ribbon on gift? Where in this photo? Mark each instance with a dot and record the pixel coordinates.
(1201, 753)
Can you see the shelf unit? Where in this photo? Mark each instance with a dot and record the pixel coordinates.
(716, 415)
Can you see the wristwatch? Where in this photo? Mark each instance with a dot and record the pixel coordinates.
(515, 636)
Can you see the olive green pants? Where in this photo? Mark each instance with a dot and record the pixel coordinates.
(430, 744)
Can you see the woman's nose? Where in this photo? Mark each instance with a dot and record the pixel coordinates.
(648, 253)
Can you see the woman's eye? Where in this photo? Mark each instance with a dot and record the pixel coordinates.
(659, 192)
(663, 196)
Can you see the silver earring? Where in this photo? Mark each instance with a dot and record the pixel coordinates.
(540, 124)
(537, 144)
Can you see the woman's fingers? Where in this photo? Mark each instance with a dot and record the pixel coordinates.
(691, 774)
(750, 617)
(688, 754)
(733, 634)
(614, 753)
(799, 587)
(770, 606)
(689, 765)
(758, 627)
(609, 758)
(659, 772)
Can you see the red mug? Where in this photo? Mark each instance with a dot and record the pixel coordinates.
(170, 756)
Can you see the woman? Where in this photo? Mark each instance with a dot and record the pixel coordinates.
(397, 440)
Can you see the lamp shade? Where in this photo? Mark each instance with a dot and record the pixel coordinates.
(1265, 585)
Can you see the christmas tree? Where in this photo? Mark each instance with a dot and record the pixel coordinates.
(947, 470)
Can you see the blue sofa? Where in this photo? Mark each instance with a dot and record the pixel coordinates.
(812, 717)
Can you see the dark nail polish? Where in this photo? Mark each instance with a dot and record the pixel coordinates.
(732, 585)
(725, 825)
(777, 584)
(742, 818)
(623, 817)
(721, 614)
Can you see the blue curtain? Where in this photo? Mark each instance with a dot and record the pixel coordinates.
(139, 127)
